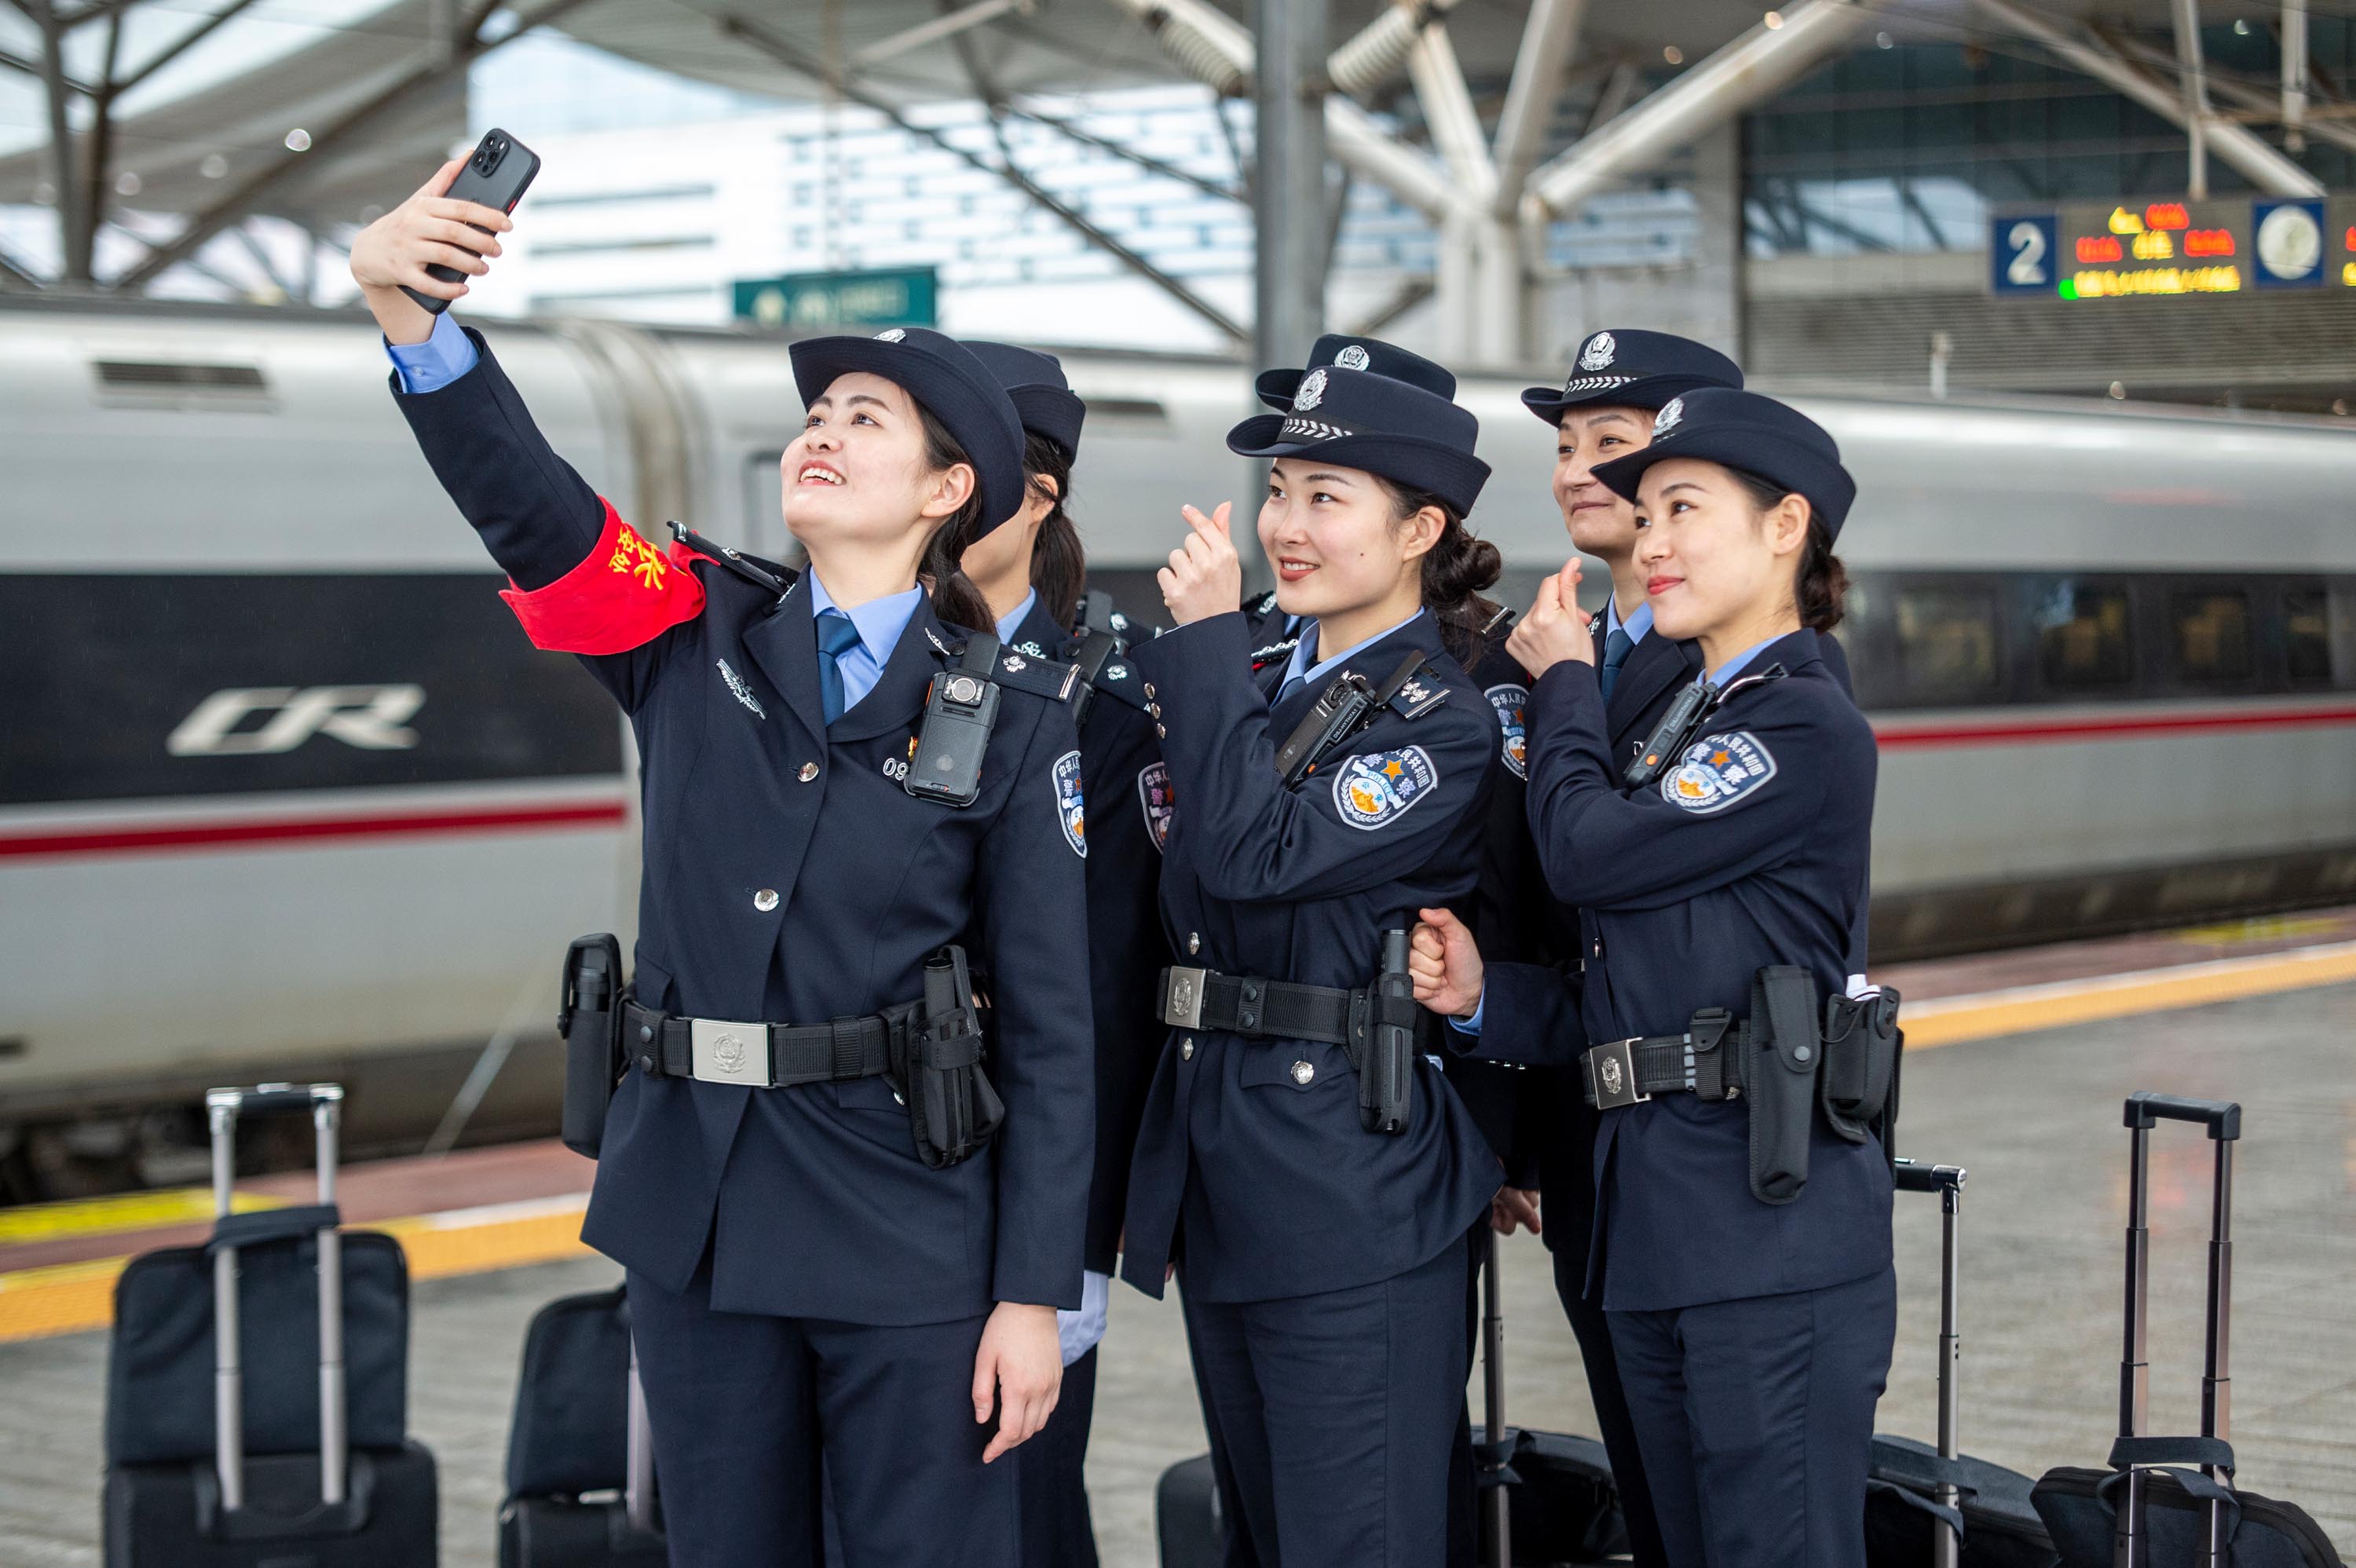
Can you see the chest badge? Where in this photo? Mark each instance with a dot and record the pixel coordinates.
(1511, 701)
(1070, 808)
(1717, 770)
(1378, 787)
(1159, 803)
(744, 693)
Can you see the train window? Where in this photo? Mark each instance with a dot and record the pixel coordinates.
(2083, 637)
(2307, 635)
(2211, 628)
(1947, 642)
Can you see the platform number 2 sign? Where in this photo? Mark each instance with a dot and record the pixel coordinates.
(2021, 252)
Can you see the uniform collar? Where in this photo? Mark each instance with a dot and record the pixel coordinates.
(880, 621)
(1742, 661)
(1310, 674)
(898, 694)
(1010, 626)
(1635, 625)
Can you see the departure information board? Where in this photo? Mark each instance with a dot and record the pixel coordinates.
(2170, 247)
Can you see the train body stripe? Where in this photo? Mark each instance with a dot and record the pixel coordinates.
(133, 840)
(2016, 732)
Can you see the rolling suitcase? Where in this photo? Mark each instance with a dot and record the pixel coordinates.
(1934, 1507)
(2148, 1508)
(334, 1506)
(1187, 1524)
(581, 1468)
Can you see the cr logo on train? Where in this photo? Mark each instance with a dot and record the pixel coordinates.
(373, 718)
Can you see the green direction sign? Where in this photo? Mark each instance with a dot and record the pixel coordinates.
(903, 296)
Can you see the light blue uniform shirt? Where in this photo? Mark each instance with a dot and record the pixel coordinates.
(430, 366)
(880, 623)
(1300, 668)
(1012, 622)
(1635, 625)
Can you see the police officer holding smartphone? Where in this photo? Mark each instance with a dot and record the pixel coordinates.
(846, 1208)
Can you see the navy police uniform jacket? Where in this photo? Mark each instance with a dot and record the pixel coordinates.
(1126, 949)
(1750, 850)
(789, 877)
(1252, 1162)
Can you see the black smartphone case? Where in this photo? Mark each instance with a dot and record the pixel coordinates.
(497, 173)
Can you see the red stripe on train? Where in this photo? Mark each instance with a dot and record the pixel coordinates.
(2108, 729)
(262, 830)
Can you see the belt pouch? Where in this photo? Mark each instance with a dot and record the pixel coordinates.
(952, 1109)
(1783, 1054)
(589, 1017)
(1385, 1078)
(1860, 1062)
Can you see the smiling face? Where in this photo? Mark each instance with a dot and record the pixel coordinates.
(1333, 536)
(1714, 563)
(858, 473)
(1600, 523)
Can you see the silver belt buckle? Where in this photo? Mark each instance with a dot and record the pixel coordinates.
(729, 1053)
(1612, 1073)
(1181, 997)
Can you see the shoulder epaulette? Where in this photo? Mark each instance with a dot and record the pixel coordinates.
(1262, 657)
(1119, 679)
(769, 576)
(1049, 678)
(1415, 692)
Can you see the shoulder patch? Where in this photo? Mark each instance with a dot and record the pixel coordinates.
(1717, 770)
(1071, 810)
(1159, 803)
(1512, 702)
(1376, 787)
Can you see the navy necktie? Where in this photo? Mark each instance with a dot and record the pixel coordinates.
(1616, 648)
(836, 637)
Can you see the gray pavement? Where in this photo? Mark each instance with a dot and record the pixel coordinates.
(2035, 1117)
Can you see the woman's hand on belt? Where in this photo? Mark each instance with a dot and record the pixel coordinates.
(1205, 577)
(1554, 630)
(1444, 964)
(1018, 1372)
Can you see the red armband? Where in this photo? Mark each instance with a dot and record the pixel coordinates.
(628, 594)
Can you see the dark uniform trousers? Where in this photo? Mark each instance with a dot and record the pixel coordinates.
(1751, 1340)
(801, 1283)
(1323, 1266)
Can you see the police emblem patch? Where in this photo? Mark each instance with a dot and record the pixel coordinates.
(891, 335)
(1160, 805)
(1311, 393)
(1717, 770)
(1510, 701)
(1070, 809)
(1598, 352)
(1666, 420)
(1354, 357)
(1379, 786)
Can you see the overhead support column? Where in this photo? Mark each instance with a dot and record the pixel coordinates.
(2196, 115)
(1289, 195)
(1480, 314)
(1547, 40)
(2237, 144)
(2295, 73)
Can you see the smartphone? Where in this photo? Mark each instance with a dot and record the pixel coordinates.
(497, 173)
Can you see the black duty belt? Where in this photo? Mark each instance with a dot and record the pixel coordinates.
(1705, 1062)
(766, 1056)
(1256, 1008)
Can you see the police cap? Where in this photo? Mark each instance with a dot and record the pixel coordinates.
(1362, 419)
(1338, 349)
(1043, 399)
(952, 385)
(1754, 434)
(1631, 368)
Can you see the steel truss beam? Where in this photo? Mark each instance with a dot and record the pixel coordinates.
(793, 58)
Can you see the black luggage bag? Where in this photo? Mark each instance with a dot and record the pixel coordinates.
(225, 1458)
(2148, 1510)
(1935, 1507)
(581, 1480)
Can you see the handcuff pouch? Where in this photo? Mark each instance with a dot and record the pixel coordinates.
(1782, 1056)
(1859, 1088)
(589, 1018)
(936, 1065)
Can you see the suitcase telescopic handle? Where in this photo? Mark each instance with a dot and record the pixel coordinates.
(224, 1108)
(2221, 1117)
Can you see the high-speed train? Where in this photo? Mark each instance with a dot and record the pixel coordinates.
(284, 791)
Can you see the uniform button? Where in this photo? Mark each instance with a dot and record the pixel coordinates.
(1302, 1072)
(810, 771)
(1149, 690)
(765, 899)
(1158, 730)
(1154, 709)
(1187, 1048)
(1193, 943)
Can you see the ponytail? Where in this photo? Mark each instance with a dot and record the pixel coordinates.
(1456, 569)
(1820, 582)
(955, 598)
(1059, 568)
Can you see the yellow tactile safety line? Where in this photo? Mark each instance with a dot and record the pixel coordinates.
(2024, 1009)
(67, 1298)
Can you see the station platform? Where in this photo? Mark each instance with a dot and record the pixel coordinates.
(2016, 1066)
